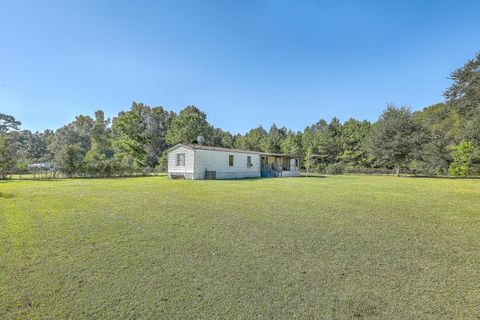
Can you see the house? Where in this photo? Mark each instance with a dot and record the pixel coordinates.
(199, 162)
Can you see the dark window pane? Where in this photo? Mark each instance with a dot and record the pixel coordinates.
(180, 159)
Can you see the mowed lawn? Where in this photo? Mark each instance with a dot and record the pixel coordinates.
(299, 248)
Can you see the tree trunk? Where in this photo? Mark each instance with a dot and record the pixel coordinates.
(397, 169)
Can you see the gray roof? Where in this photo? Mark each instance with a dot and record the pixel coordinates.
(203, 147)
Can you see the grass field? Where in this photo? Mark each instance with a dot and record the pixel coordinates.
(300, 248)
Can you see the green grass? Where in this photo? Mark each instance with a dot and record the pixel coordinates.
(324, 248)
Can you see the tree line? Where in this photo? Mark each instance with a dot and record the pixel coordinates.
(442, 139)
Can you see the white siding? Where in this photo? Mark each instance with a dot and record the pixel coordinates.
(211, 160)
(197, 161)
(188, 170)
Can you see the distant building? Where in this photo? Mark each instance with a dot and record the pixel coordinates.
(199, 162)
(42, 165)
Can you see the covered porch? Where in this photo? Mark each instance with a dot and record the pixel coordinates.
(278, 165)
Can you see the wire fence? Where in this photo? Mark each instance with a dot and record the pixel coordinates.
(49, 175)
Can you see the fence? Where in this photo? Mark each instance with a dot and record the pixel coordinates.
(60, 175)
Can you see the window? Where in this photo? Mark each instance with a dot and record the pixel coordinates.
(180, 159)
(249, 161)
(230, 160)
(296, 163)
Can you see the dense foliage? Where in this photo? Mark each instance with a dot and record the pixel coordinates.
(439, 140)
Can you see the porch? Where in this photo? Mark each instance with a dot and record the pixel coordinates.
(278, 165)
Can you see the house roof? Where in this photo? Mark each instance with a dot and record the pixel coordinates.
(203, 147)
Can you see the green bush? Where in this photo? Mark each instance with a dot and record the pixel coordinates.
(464, 159)
(335, 168)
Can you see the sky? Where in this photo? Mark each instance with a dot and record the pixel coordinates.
(244, 63)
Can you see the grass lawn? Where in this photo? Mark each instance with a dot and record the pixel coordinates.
(306, 248)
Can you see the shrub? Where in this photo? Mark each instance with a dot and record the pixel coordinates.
(462, 155)
(335, 168)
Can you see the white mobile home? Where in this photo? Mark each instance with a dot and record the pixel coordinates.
(200, 162)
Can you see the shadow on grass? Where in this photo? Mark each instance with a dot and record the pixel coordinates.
(6, 195)
(302, 176)
(309, 176)
(442, 177)
(220, 180)
(40, 180)
(115, 177)
(259, 178)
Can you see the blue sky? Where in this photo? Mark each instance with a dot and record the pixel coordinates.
(245, 63)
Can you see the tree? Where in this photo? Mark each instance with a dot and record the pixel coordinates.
(131, 135)
(188, 125)
(464, 93)
(158, 122)
(472, 129)
(393, 137)
(253, 140)
(220, 138)
(7, 158)
(99, 160)
(321, 143)
(464, 97)
(307, 149)
(439, 139)
(354, 142)
(273, 141)
(292, 144)
(309, 146)
(69, 159)
(33, 147)
(71, 143)
(8, 125)
(329, 140)
(465, 159)
(162, 165)
(437, 129)
(140, 135)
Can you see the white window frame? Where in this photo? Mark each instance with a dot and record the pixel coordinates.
(178, 157)
(249, 162)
